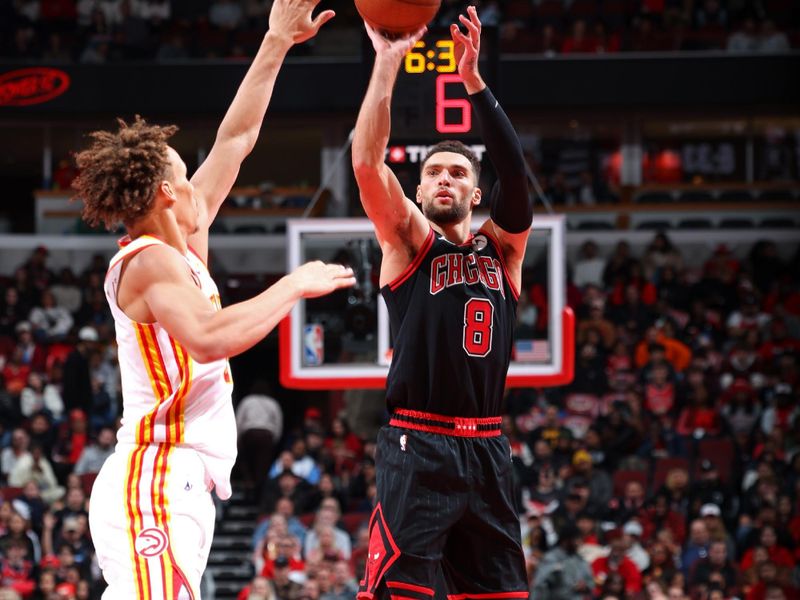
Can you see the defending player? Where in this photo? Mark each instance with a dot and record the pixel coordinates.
(152, 516)
(444, 470)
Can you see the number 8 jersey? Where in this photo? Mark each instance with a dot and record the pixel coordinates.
(452, 314)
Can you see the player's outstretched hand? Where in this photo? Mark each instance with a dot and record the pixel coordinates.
(293, 18)
(316, 278)
(467, 46)
(399, 46)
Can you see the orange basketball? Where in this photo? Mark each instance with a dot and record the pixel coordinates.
(398, 16)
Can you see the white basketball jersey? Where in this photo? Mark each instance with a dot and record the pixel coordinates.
(167, 397)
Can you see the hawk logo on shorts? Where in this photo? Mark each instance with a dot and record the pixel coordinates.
(479, 242)
(151, 542)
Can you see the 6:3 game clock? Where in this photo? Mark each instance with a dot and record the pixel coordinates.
(430, 99)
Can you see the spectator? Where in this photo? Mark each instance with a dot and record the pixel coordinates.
(284, 587)
(77, 386)
(16, 569)
(13, 310)
(343, 586)
(11, 455)
(39, 396)
(562, 574)
(324, 524)
(661, 253)
(590, 265)
(770, 40)
(743, 39)
(34, 467)
(600, 486)
(717, 563)
(50, 322)
(298, 462)
(343, 447)
(258, 589)
(33, 354)
(225, 14)
(94, 455)
(259, 421)
(632, 535)
(616, 563)
(697, 546)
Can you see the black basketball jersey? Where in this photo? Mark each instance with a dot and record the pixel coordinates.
(452, 315)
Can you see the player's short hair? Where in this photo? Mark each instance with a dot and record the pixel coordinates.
(120, 172)
(458, 148)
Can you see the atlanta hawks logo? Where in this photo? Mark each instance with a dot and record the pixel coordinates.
(479, 242)
(151, 542)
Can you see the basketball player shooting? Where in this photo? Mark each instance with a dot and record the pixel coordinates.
(152, 516)
(444, 469)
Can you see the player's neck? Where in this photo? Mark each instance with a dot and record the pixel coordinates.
(457, 233)
(162, 226)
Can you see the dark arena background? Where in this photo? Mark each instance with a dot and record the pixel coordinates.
(667, 134)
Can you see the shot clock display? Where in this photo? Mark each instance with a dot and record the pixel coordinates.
(430, 102)
(453, 110)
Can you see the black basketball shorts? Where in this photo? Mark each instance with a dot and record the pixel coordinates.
(445, 513)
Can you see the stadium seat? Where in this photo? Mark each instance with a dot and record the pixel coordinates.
(736, 196)
(736, 223)
(721, 452)
(87, 481)
(621, 479)
(594, 226)
(353, 521)
(696, 197)
(654, 225)
(695, 224)
(654, 198)
(778, 223)
(9, 493)
(776, 196)
(663, 466)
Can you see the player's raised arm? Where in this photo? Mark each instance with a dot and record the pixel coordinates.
(400, 226)
(290, 22)
(511, 204)
(163, 284)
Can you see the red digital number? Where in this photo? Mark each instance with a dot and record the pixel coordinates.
(478, 314)
(443, 103)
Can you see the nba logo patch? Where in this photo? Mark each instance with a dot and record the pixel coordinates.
(403, 440)
(151, 542)
(313, 345)
(479, 242)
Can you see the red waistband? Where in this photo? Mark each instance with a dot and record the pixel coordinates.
(455, 426)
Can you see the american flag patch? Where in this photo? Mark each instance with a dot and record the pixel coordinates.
(532, 350)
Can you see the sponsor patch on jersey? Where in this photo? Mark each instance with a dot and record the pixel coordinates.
(151, 542)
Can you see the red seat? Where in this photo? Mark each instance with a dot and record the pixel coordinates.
(87, 481)
(9, 493)
(353, 521)
(722, 454)
(664, 466)
(58, 353)
(622, 478)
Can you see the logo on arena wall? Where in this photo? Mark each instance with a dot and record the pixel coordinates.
(37, 85)
(151, 542)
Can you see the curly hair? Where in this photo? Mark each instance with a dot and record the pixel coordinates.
(120, 172)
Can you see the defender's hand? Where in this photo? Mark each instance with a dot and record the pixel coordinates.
(397, 47)
(292, 18)
(316, 278)
(468, 49)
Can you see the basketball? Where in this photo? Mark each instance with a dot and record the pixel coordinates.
(397, 16)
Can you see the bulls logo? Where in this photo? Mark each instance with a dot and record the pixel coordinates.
(479, 243)
(151, 542)
(383, 551)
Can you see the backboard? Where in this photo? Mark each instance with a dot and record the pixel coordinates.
(344, 341)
